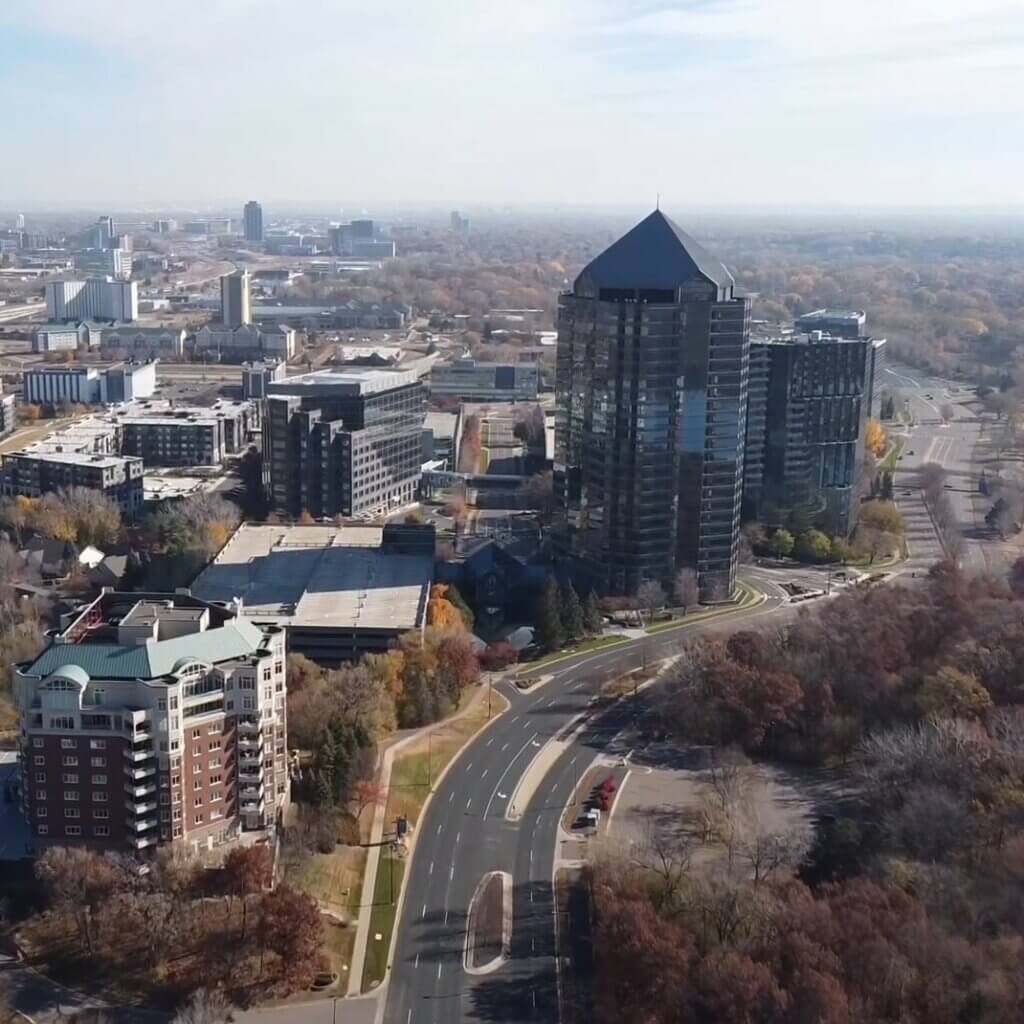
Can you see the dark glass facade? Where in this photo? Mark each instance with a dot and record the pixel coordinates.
(342, 448)
(651, 414)
(810, 397)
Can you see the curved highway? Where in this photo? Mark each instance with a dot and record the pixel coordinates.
(464, 834)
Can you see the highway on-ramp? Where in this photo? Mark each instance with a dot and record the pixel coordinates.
(464, 834)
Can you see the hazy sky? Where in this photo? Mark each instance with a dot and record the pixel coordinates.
(710, 102)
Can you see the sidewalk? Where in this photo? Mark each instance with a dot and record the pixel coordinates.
(355, 977)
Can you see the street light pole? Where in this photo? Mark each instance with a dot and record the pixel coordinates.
(489, 686)
(430, 784)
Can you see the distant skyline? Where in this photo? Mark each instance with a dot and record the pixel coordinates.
(712, 103)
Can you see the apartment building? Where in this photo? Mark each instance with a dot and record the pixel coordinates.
(139, 342)
(271, 341)
(486, 382)
(153, 719)
(165, 435)
(35, 473)
(87, 385)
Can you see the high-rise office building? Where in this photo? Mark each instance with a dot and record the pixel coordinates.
(19, 222)
(344, 441)
(153, 719)
(253, 219)
(651, 382)
(809, 398)
(235, 308)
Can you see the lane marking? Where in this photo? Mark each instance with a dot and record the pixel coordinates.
(469, 803)
(506, 771)
(438, 829)
(504, 748)
(408, 1019)
(451, 796)
(431, 871)
(451, 874)
(424, 911)
(439, 972)
(416, 963)
(458, 836)
(484, 776)
(446, 915)
(489, 742)
(514, 720)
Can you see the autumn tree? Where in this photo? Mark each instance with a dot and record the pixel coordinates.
(874, 438)
(291, 930)
(442, 613)
(954, 693)
(880, 515)
(499, 655)
(813, 546)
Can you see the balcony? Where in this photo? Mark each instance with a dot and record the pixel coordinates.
(139, 754)
(252, 806)
(139, 791)
(141, 807)
(249, 725)
(141, 825)
(141, 842)
(140, 771)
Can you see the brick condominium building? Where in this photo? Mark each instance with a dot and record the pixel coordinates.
(153, 718)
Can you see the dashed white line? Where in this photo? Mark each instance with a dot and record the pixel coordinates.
(469, 803)
(469, 766)
(451, 796)
(489, 742)
(408, 1019)
(438, 829)
(505, 772)
(514, 720)
(431, 871)
(484, 776)
(504, 748)
(451, 872)
(424, 911)
(416, 963)
(458, 836)
(439, 972)
(446, 916)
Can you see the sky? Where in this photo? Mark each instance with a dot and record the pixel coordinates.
(709, 103)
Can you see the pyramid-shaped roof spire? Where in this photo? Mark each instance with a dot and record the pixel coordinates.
(657, 253)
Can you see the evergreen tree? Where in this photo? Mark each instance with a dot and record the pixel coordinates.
(593, 620)
(572, 612)
(550, 633)
(327, 758)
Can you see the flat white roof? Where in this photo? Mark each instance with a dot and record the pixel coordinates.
(319, 576)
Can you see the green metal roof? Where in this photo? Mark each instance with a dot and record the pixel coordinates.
(154, 658)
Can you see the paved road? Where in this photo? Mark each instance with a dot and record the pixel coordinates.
(464, 834)
(959, 446)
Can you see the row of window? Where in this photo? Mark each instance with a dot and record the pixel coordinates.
(99, 831)
(100, 813)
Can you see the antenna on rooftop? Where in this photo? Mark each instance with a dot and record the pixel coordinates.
(657, 200)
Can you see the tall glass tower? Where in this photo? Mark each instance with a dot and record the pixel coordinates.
(651, 381)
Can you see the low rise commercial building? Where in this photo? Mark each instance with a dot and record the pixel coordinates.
(36, 473)
(340, 592)
(256, 377)
(57, 338)
(153, 719)
(89, 385)
(143, 342)
(486, 382)
(276, 341)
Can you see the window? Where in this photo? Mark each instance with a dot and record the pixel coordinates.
(165, 798)
(176, 779)
(38, 742)
(268, 693)
(165, 814)
(72, 812)
(70, 778)
(214, 727)
(99, 780)
(197, 801)
(161, 704)
(63, 722)
(215, 779)
(69, 761)
(176, 813)
(40, 794)
(197, 750)
(101, 813)
(174, 744)
(216, 795)
(248, 703)
(66, 744)
(101, 830)
(174, 704)
(97, 744)
(163, 746)
(196, 767)
(72, 830)
(40, 759)
(266, 674)
(197, 733)
(100, 797)
(41, 812)
(216, 745)
(98, 762)
(197, 820)
(71, 795)
(197, 783)
(214, 762)
(177, 831)
(216, 815)
(40, 776)
(42, 829)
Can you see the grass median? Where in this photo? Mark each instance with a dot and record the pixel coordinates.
(414, 772)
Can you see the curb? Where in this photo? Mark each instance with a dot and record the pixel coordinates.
(506, 924)
(400, 902)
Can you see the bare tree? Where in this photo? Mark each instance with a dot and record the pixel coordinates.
(667, 857)
(947, 412)
(207, 1006)
(687, 592)
(651, 596)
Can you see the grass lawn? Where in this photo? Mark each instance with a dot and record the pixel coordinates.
(335, 879)
(382, 920)
(569, 652)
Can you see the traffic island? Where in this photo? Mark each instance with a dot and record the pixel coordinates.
(489, 929)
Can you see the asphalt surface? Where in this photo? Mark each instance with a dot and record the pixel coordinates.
(959, 446)
(464, 834)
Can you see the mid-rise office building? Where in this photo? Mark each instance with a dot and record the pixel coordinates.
(235, 309)
(343, 442)
(252, 217)
(840, 323)
(162, 434)
(35, 473)
(153, 719)
(115, 263)
(651, 380)
(486, 382)
(459, 224)
(809, 398)
(99, 298)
